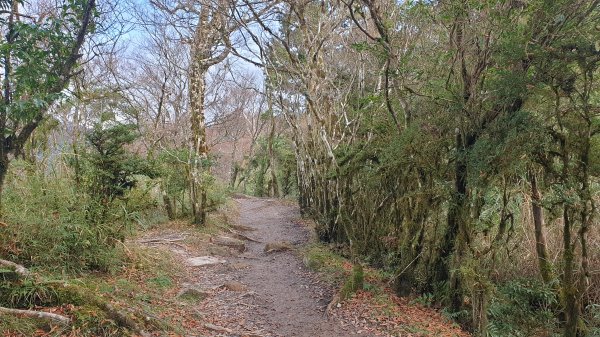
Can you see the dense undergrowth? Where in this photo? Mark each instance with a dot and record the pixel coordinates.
(517, 301)
(455, 145)
(520, 307)
(69, 226)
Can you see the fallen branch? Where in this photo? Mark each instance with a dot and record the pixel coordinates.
(162, 240)
(121, 318)
(19, 269)
(217, 328)
(168, 243)
(62, 320)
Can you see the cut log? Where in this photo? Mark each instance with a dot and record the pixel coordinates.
(58, 319)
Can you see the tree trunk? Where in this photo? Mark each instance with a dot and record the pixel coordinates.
(455, 220)
(199, 155)
(235, 169)
(274, 184)
(540, 236)
(168, 205)
(569, 290)
(4, 164)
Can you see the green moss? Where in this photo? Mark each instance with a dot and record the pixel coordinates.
(10, 325)
(161, 282)
(354, 283)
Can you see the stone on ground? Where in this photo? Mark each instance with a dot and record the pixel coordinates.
(192, 294)
(272, 247)
(235, 286)
(204, 261)
(236, 244)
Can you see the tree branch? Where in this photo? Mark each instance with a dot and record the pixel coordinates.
(62, 320)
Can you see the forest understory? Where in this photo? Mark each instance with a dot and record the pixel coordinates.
(254, 271)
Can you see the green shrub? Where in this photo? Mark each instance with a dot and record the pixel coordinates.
(354, 283)
(521, 308)
(108, 169)
(51, 222)
(26, 294)
(592, 318)
(47, 225)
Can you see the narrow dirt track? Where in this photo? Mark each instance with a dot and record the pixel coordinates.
(281, 298)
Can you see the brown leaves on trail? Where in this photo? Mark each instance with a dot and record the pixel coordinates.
(386, 314)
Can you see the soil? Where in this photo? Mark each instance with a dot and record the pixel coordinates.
(280, 296)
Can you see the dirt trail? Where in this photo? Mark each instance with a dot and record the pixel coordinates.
(280, 297)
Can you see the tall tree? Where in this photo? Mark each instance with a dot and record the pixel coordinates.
(210, 44)
(40, 52)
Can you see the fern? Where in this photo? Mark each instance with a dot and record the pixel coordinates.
(520, 308)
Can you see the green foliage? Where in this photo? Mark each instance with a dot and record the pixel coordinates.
(320, 259)
(521, 308)
(354, 283)
(161, 281)
(110, 170)
(426, 299)
(39, 57)
(593, 320)
(20, 326)
(173, 169)
(26, 294)
(49, 224)
(258, 170)
(89, 321)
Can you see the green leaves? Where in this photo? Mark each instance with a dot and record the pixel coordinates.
(110, 169)
(37, 57)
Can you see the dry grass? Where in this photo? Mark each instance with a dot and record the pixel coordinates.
(521, 256)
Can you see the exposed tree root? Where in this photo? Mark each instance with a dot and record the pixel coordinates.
(19, 269)
(75, 292)
(121, 318)
(58, 319)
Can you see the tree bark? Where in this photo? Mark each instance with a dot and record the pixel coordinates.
(199, 155)
(540, 236)
(455, 222)
(274, 191)
(569, 289)
(168, 205)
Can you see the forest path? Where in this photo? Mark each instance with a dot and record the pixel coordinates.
(276, 295)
